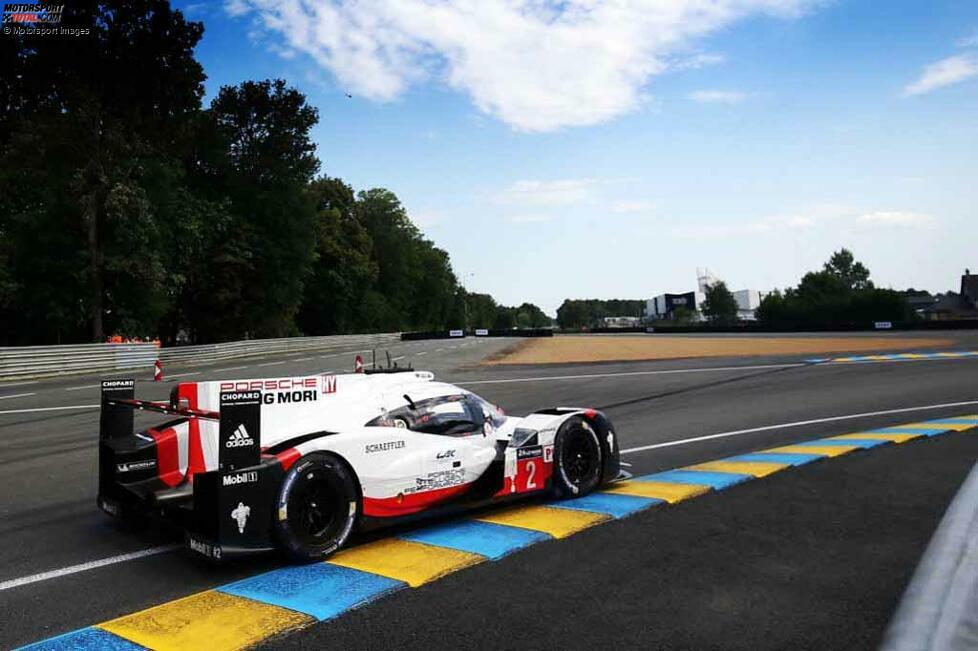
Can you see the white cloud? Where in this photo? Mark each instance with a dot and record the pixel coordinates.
(698, 61)
(819, 218)
(945, 72)
(776, 224)
(626, 207)
(537, 65)
(563, 192)
(891, 218)
(718, 96)
(529, 218)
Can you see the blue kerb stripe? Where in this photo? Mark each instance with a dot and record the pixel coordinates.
(904, 430)
(789, 458)
(320, 590)
(717, 480)
(617, 506)
(849, 443)
(84, 639)
(860, 443)
(953, 421)
(490, 540)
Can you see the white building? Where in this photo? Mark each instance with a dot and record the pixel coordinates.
(663, 305)
(748, 300)
(622, 321)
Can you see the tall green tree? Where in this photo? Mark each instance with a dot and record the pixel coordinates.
(343, 269)
(719, 306)
(850, 272)
(262, 159)
(81, 121)
(840, 294)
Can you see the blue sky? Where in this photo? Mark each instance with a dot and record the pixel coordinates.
(585, 149)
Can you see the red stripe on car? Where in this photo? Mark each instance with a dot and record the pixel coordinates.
(389, 507)
(195, 453)
(287, 458)
(167, 456)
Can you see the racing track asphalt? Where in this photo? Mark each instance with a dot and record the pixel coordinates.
(48, 520)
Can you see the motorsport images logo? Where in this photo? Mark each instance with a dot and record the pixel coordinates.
(38, 19)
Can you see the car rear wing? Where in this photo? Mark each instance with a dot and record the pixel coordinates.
(239, 430)
(118, 403)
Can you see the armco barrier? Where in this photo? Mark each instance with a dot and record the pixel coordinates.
(478, 332)
(43, 361)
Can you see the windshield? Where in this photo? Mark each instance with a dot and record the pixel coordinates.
(455, 415)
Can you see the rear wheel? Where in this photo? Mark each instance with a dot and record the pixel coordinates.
(577, 458)
(317, 507)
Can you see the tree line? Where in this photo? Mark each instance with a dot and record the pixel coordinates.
(128, 207)
(574, 314)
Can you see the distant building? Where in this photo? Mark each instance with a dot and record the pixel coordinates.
(622, 321)
(951, 306)
(664, 306)
(748, 300)
(969, 287)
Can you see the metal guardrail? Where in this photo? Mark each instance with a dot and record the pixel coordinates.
(45, 361)
(939, 610)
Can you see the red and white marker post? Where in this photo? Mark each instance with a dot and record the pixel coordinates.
(358, 364)
(158, 371)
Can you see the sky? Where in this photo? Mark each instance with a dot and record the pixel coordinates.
(609, 148)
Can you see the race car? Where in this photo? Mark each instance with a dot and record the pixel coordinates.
(297, 464)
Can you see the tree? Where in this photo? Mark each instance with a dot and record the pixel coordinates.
(81, 122)
(840, 294)
(343, 269)
(720, 306)
(853, 274)
(263, 159)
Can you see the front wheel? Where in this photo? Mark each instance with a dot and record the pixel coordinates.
(317, 507)
(577, 459)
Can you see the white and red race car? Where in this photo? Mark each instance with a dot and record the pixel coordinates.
(299, 463)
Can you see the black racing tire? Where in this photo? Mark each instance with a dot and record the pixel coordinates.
(577, 459)
(317, 507)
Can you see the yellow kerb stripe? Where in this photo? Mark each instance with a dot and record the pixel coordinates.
(755, 468)
(669, 492)
(559, 523)
(929, 426)
(207, 620)
(411, 562)
(824, 450)
(896, 438)
(942, 426)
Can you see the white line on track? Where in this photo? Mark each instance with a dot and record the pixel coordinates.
(284, 361)
(18, 395)
(18, 384)
(799, 423)
(301, 359)
(36, 409)
(422, 353)
(184, 374)
(589, 376)
(86, 386)
(83, 567)
(230, 368)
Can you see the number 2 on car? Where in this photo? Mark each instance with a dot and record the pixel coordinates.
(532, 472)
